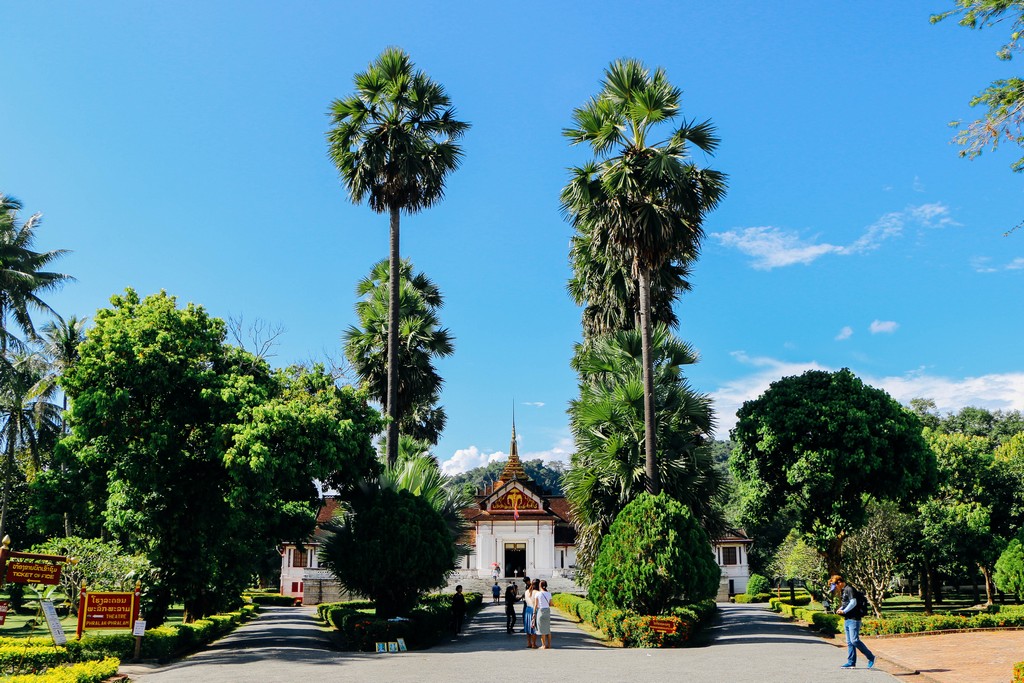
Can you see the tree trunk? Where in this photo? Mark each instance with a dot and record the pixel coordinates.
(987, 575)
(8, 473)
(650, 443)
(926, 587)
(834, 554)
(394, 262)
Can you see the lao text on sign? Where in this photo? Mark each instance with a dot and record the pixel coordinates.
(663, 625)
(19, 571)
(109, 610)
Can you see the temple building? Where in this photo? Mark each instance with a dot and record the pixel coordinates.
(518, 527)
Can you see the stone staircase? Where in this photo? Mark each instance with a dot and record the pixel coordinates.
(474, 584)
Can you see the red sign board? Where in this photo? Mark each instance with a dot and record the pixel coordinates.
(109, 610)
(4, 606)
(663, 625)
(32, 572)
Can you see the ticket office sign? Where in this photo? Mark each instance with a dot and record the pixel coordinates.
(109, 610)
(32, 572)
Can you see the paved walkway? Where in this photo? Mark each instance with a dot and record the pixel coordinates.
(976, 657)
(285, 644)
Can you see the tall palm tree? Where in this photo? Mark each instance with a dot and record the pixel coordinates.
(609, 295)
(643, 202)
(29, 419)
(607, 420)
(23, 277)
(421, 340)
(61, 339)
(394, 143)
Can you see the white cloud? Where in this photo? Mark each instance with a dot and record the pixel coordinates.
(535, 404)
(466, 459)
(918, 185)
(884, 326)
(561, 451)
(773, 247)
(983, 264)
(995, 391)
(844, 333)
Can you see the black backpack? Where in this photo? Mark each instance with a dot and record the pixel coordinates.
(860, 610)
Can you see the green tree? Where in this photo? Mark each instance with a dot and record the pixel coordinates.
(796, 560)
(29, 419)
(655, 554)
(391, 546)
(822, 441)
(394, 143)
(1009, 574)
(101, 565)
(422, 477)
(644, 203)
(609, 468)
(968, 522)
(1003, 98)
(421, 340)
(23, 278)
(200, 456)
(873, 554)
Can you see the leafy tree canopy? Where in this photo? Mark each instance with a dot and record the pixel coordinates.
(655, 554)
(199, 455)
(390, 545)
(822, 441)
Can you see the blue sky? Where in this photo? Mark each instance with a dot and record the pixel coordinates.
(180, 146)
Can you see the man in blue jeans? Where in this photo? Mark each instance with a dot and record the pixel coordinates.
(852, 609)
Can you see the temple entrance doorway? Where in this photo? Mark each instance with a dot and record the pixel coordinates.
(515, 559)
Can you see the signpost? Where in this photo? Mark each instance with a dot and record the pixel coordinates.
(53, 623)
(108, 609)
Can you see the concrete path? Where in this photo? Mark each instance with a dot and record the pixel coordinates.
(749, 644)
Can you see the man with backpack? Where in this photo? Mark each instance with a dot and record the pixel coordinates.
(853, 608)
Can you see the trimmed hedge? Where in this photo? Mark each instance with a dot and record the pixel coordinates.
(272, 599)
(84, 672)
(799, 601)
(1018, 672)
(940, 622)
(825, 623)
(634, 630)
(743, 598)
(361, 629)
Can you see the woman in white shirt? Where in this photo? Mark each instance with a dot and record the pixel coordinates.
(529, 613)
(543, 598)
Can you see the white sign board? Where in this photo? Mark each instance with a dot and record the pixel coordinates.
(53, 621)
(139, 629)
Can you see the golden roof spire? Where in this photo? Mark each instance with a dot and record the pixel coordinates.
(513, 468)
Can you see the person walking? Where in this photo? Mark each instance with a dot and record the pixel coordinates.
(853, 607)
(495, 593)
(458, 610)
(526, 588)
(529, 625)
(544, 616)
(511, 595)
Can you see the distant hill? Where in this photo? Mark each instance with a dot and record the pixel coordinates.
(547, 475)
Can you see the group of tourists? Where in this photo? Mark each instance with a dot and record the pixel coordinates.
(536, 611)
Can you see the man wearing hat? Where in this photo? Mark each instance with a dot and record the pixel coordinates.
(852, 610)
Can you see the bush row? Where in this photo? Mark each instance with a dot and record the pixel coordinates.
(271, 599)
(744, 598)
(1018, 672)
(635, 630)
(825, 623)
(84, 672)
(798, 601)
(939, 622)
(426, 623)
